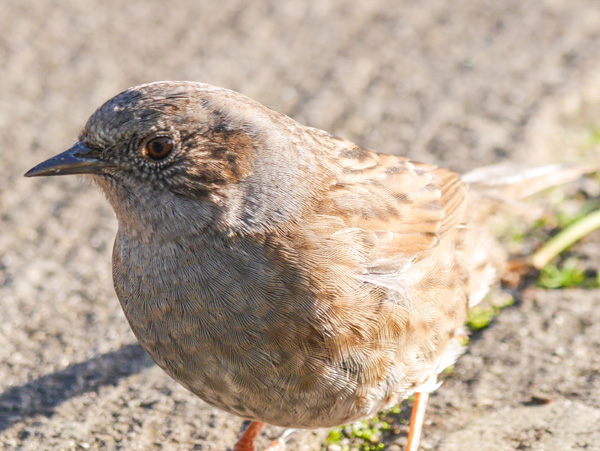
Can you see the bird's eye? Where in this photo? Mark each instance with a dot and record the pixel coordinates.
(159, 148)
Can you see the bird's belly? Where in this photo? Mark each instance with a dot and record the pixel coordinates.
(255, 378)
(232, 333)
(249, 347)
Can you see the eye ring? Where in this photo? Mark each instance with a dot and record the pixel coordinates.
(159, 148)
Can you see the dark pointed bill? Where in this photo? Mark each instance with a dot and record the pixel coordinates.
(79, 159)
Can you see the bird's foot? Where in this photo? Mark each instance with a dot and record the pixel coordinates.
(246, 441)
(279, 444)
(516, 269)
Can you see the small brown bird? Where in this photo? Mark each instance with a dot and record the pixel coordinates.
(279, 272)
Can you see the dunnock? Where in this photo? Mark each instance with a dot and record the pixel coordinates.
(279, 272)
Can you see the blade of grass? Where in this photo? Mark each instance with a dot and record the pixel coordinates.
(565, 238)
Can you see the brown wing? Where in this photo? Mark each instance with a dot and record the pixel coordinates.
(382, 256)
(409, 207)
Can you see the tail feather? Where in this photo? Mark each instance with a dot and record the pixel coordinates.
(511, 181)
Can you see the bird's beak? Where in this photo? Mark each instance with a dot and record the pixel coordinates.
(79, 159)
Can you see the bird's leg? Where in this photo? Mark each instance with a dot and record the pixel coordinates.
(416, 420)
(246, 441)
(279, 444)
(276, 445)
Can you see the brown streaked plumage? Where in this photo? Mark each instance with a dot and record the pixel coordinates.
(281, 273)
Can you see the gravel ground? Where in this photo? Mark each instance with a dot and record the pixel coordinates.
(460, 83)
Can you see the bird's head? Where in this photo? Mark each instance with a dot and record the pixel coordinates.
(189, 152)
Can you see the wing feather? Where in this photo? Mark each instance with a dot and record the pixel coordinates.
(407, 207)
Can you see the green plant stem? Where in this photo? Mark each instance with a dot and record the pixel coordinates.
(565, 238)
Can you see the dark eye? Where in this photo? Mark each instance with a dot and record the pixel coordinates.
(159, 148)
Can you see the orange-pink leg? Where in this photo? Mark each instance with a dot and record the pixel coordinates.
(246, 441)
(416, 421)
(277, 445)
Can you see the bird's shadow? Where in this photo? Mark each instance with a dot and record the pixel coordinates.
(43, 395)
